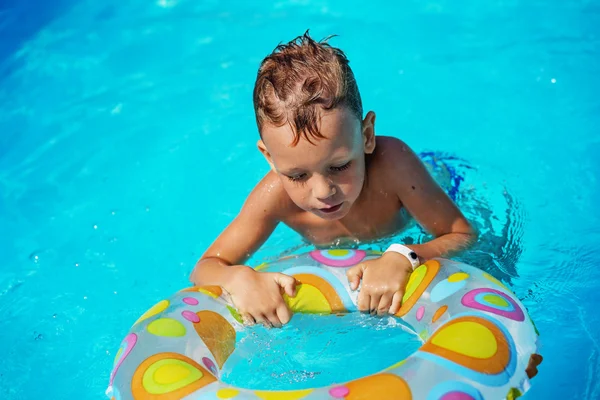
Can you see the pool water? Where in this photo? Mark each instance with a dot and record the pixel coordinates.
(128, 142)
(317, 350)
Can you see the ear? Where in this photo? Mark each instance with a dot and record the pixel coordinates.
(368, 132)
(263, 149)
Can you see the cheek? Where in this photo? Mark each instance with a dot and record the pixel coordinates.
(298, 193)
(351, 181)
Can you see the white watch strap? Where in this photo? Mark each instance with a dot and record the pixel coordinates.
(406, 252)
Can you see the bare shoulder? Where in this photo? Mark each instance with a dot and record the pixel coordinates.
(270, 198)
(395, 160)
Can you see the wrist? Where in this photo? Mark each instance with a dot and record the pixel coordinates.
(398, 260)
(234, 275)
(399, 250)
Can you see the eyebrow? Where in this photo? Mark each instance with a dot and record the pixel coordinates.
(341, 160)
(293, 171)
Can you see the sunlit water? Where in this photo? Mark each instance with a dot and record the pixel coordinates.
(127, 143)
(318, 350)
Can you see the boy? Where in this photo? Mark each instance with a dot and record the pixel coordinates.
(331, 178)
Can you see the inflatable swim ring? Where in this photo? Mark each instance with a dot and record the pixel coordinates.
(477, 337)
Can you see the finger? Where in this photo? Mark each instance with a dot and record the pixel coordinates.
(384, 304)
(283, 313)
(274, 319)
(396, 302)
(287, 283)
(374, 303)
(264, 321)
(363, 301)
(354, 276)
(248, 319)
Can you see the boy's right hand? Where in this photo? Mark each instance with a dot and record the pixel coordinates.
(258, 296)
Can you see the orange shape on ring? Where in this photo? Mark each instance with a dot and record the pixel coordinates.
(494, 364)
(382, 386)
(216, 290)
(438, 313)
(140, 393)
(433, 267)
(217, 334)
(333, 298)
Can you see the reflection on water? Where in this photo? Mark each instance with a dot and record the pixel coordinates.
(317, 350)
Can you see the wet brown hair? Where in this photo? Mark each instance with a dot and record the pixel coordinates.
(297, 79)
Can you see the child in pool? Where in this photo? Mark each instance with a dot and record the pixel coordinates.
(331, 178)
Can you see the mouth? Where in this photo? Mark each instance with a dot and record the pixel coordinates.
(332, 209)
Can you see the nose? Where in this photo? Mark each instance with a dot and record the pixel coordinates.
(323, 188)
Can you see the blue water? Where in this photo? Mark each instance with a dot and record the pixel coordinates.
(317, 350)
(127, 142)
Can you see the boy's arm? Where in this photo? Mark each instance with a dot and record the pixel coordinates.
(384, 279)
(253, 225)
(427, 202)
(257, 296)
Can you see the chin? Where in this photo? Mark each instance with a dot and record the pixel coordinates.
(331, 217)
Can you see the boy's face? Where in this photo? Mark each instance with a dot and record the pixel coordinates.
(324, 178)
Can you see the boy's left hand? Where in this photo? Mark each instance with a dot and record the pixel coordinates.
(383, 283)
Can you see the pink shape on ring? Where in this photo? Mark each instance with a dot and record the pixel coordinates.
(420, 313)
(339, 392)
(208, 363)
(130, 340)
(457, 396)
(190, 316)
(469, 301)
(191, 301)
(357, 257)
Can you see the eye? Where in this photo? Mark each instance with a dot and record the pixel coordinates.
(342, 167)
(297, 178)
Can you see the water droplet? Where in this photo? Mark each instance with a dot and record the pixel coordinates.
(95, 226)
(553, 80)
(77, 264)
(85, 297)
(41, 255)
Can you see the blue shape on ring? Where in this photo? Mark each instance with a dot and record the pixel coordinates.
(446, 288)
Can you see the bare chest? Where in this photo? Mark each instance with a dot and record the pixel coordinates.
(381, 216)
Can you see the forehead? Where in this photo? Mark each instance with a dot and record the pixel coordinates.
(340, 128)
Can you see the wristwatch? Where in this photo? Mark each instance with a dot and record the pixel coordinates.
(406, 252)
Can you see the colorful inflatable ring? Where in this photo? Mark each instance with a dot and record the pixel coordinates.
(477, 337)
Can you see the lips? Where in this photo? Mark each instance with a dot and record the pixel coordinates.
(332, 209)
